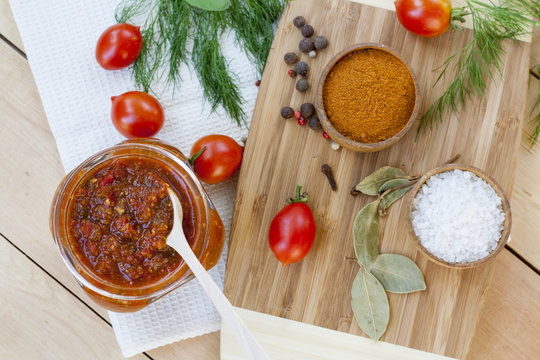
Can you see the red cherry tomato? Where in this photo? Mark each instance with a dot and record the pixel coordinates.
(220, 158)
(136, 114)
(292, 231)
(424, 17)
(118, 46)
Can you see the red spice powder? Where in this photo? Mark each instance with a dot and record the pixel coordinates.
(369, 95)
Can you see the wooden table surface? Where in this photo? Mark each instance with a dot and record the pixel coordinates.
(45, 314)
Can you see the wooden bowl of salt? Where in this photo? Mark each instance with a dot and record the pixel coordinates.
(464, 240)
(367, 97)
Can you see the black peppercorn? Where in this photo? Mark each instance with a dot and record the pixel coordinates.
(307, 109)
(320, 42)
(290, 58)
(287, 112)
(314, 123)
(301, 68)
(306, 45)
(302, 85)
(299, 21)
(307, 31)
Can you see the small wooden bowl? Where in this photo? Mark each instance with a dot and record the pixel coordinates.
(343, 140)
(505, 206)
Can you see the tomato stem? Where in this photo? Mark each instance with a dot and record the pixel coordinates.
(458, 14)
(300, 197)
(195, 156)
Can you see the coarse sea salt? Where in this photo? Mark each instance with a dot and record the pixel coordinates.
(458, 216)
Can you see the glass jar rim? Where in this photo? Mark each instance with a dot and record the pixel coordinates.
(73, 178)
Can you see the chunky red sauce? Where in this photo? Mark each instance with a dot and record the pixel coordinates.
(119, 220)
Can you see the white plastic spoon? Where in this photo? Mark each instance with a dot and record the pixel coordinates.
(177, 240)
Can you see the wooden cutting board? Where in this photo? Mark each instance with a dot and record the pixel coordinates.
(280, 154)
(284, 339)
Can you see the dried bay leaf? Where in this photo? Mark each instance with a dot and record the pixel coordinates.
(370, 304)
(366, 234)
(372, 183)
(390, 184)
(394, 195)
(398, 274)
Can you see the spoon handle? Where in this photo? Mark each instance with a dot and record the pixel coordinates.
(178, 242)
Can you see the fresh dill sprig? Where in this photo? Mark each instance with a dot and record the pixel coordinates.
(536, 132)
(218, 85)
(481, 58)
(255, 37)
(172, 25)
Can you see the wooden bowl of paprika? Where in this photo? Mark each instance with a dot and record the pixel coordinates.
(367, 97)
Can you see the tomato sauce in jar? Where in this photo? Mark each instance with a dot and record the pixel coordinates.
(119, 220)
(111, 215)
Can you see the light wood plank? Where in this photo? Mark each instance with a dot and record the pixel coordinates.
(284, 339)
(535, 49)
(31, 171)
(59, 327)
(526, 196)
(510, 321)
(8, 28)
(205, 347)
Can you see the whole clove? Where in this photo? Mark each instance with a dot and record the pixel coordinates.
(327, 170)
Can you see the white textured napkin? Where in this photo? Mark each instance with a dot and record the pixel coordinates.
(60, 37)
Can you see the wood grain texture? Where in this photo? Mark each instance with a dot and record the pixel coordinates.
(31, 171)
(507, 330)
(31, 163)
(26, 288)
(511, 314)
(284, 339)
(205, 347)
(20, 109)
(526, 197)
(280, 154)
(535, 49)
(8, 29)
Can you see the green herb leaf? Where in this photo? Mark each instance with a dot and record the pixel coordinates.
(393, 195)
(398, 274)
(171, 26)
(481, 59)
(210, 5)
(370, 304)
(372, 183)
(390, 184)
(366, 234)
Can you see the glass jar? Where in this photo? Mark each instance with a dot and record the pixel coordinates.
(207, 242)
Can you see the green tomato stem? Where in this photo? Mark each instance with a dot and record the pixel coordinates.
(458, 15)
(300, 198)
(195, 156)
